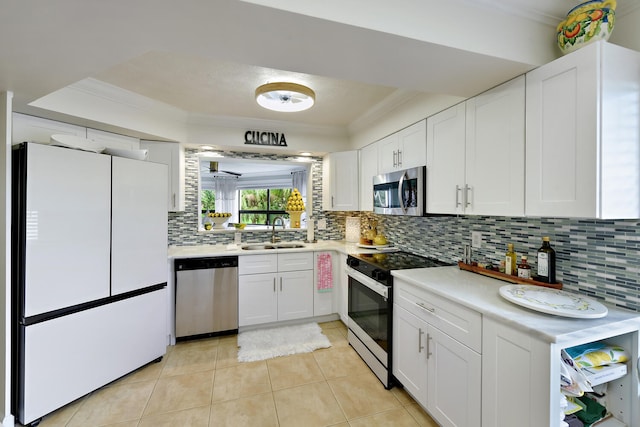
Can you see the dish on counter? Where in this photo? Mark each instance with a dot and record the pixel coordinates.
(553, 301)
(360, 245)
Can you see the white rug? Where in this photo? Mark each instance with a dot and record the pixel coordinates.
(264, 344)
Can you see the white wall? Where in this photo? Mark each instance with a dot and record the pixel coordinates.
(626, 31)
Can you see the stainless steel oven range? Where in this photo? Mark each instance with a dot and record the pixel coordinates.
(370, 304)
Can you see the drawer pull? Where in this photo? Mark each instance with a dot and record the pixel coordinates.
(420, 334)
(424, 307)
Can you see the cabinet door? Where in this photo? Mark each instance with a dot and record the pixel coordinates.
(35, 129)
(454, 386)
(412, 146)
(257, 299)
(516, 383)
(324, 302)
(138, 224)
(343, 289)
(494, 165)
(388, 153)
(562, 130)
(172, 155)
(113, 140)
(368, 169)
(445, 161)
(295, 296)
(410, 353)
(341, 181)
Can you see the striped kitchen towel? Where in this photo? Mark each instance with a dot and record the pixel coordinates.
(325, 272)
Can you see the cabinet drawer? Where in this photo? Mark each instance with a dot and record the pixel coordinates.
(460, 323)
(295, 261)
(256, 264)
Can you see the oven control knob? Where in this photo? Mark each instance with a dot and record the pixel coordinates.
(379, 275)
(352, 262)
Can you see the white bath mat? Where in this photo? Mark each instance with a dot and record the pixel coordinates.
(264, 344)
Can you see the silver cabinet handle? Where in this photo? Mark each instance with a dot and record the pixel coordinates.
(420, 334)
(274, 284)
(281, 284)
(395, 158)
(424, 307)
(458, 190)
(428, 346)
(467, 198)
(399, 158)
(174, 199)
(331, 201)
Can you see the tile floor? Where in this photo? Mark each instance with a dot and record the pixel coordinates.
(201, 383)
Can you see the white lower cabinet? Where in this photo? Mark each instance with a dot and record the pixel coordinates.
(275, 287)
(436, 355)
(521, 375)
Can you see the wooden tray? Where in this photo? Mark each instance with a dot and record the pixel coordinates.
(506, 277)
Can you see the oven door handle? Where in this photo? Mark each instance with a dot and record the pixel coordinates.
(376, 287)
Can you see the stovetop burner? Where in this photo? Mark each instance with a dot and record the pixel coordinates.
(378, 265)
(399, 260)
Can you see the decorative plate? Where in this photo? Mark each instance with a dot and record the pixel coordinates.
(360, 245)
(553, 301)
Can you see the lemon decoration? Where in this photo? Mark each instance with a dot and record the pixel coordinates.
(294, 202)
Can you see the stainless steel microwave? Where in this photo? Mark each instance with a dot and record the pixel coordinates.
(400, 193)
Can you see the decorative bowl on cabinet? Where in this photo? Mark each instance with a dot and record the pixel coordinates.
(588, 22)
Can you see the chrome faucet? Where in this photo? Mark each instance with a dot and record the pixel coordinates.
(275, 239)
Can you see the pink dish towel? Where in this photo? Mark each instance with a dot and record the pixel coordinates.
(325, 273)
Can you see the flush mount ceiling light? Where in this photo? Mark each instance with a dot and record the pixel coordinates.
(285, 97)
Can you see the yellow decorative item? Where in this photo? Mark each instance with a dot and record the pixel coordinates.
(295, 207)
(597, 354)
(240, 226)
(588, 22)
(220, 219)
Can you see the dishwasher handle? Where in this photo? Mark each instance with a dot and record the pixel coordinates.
(205, 263)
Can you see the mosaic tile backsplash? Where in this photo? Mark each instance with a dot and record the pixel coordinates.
(595, 257)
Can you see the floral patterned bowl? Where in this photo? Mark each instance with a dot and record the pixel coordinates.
(586, 23)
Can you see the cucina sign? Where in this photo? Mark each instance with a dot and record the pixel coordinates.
(256, 137)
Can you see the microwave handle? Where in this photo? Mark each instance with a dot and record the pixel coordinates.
(402, 205)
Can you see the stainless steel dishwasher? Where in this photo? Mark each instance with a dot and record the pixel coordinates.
(206, 296)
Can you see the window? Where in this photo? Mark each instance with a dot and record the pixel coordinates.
(262, 205)
(208, 201)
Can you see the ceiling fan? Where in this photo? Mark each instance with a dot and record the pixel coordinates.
(213, 168)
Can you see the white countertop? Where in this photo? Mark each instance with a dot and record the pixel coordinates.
(480, 293)
(197, 251)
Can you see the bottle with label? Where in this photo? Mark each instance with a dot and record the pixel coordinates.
(510, 261)
(546, 262)
(524, 269)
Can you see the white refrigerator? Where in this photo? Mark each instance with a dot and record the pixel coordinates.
(89, 256)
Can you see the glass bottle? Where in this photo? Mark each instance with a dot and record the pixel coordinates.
(510, 261)
(546, 262)
(524, 269)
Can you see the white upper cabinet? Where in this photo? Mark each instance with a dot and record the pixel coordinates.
(475, 154)
(340, 181)
(368, 169)
(494, 163)
(583, 144)
(445, 160)
(404, 149)
(113, 140)
(35, 129)
(172, 155)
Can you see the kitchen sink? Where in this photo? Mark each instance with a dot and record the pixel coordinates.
(257, 247)
(289, 245)
(262, 247)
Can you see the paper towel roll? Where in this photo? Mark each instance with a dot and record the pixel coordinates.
(310, 230)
